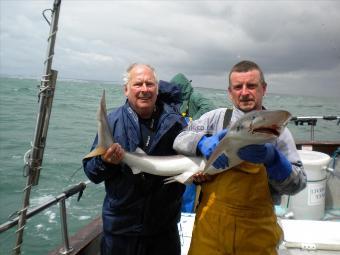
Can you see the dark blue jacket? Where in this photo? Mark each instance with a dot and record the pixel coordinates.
(138, 204)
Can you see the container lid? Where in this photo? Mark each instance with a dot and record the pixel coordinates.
(314, 157)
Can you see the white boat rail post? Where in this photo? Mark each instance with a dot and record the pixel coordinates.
(67, 249)
(63, 216)
(35, 155)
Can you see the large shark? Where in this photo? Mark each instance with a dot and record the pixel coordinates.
(256, 127)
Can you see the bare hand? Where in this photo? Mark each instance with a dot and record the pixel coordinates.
(114, 154)
(201, 177)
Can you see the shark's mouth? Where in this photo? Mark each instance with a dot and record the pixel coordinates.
(267, 130)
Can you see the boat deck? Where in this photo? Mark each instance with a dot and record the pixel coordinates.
(313, 237)
(81, 243)
(323, 237)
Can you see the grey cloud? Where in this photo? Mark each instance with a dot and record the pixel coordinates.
(295, 42)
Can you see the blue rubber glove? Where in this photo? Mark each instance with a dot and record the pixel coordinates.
(207, 145)
(277, 165)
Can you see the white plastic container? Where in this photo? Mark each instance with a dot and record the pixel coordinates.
(309, 204)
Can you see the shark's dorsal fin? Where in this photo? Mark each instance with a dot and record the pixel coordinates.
(134, 169)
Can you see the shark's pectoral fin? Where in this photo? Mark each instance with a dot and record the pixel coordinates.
(96, 152)
(135, 170)
(184, 178)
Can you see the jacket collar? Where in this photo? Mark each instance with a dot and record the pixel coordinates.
(165, 122)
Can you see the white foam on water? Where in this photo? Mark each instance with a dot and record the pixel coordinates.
(84, 217)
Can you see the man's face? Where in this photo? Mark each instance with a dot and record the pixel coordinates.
(246, 91)
(142, 90)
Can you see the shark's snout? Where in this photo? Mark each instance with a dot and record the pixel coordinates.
(270, 122)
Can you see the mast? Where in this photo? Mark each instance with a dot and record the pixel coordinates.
(34, 157)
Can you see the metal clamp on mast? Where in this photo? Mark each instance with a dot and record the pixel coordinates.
(34, 156)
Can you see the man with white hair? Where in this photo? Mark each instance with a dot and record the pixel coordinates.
(140, 213)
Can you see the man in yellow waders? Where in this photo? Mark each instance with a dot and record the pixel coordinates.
(236, 215)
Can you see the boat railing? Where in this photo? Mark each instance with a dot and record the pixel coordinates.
(61, 198)
(312, 120)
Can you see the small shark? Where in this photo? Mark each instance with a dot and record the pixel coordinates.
(256, 127)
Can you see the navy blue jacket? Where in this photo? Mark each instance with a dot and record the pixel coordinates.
(138, 204)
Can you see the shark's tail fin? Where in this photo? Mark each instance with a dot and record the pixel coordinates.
(104, 133)
(96, 152)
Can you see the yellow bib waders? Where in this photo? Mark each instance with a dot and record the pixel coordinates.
(236, 215)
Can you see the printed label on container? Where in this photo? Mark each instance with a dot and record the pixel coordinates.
(316, 193)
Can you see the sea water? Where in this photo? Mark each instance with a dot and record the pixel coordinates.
(71, 132)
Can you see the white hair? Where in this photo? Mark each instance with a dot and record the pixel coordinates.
(126, 76)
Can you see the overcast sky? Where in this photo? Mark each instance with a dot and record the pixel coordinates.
(297, 43)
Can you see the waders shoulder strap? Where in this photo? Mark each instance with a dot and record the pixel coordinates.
(226, 121)
(227, 117)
